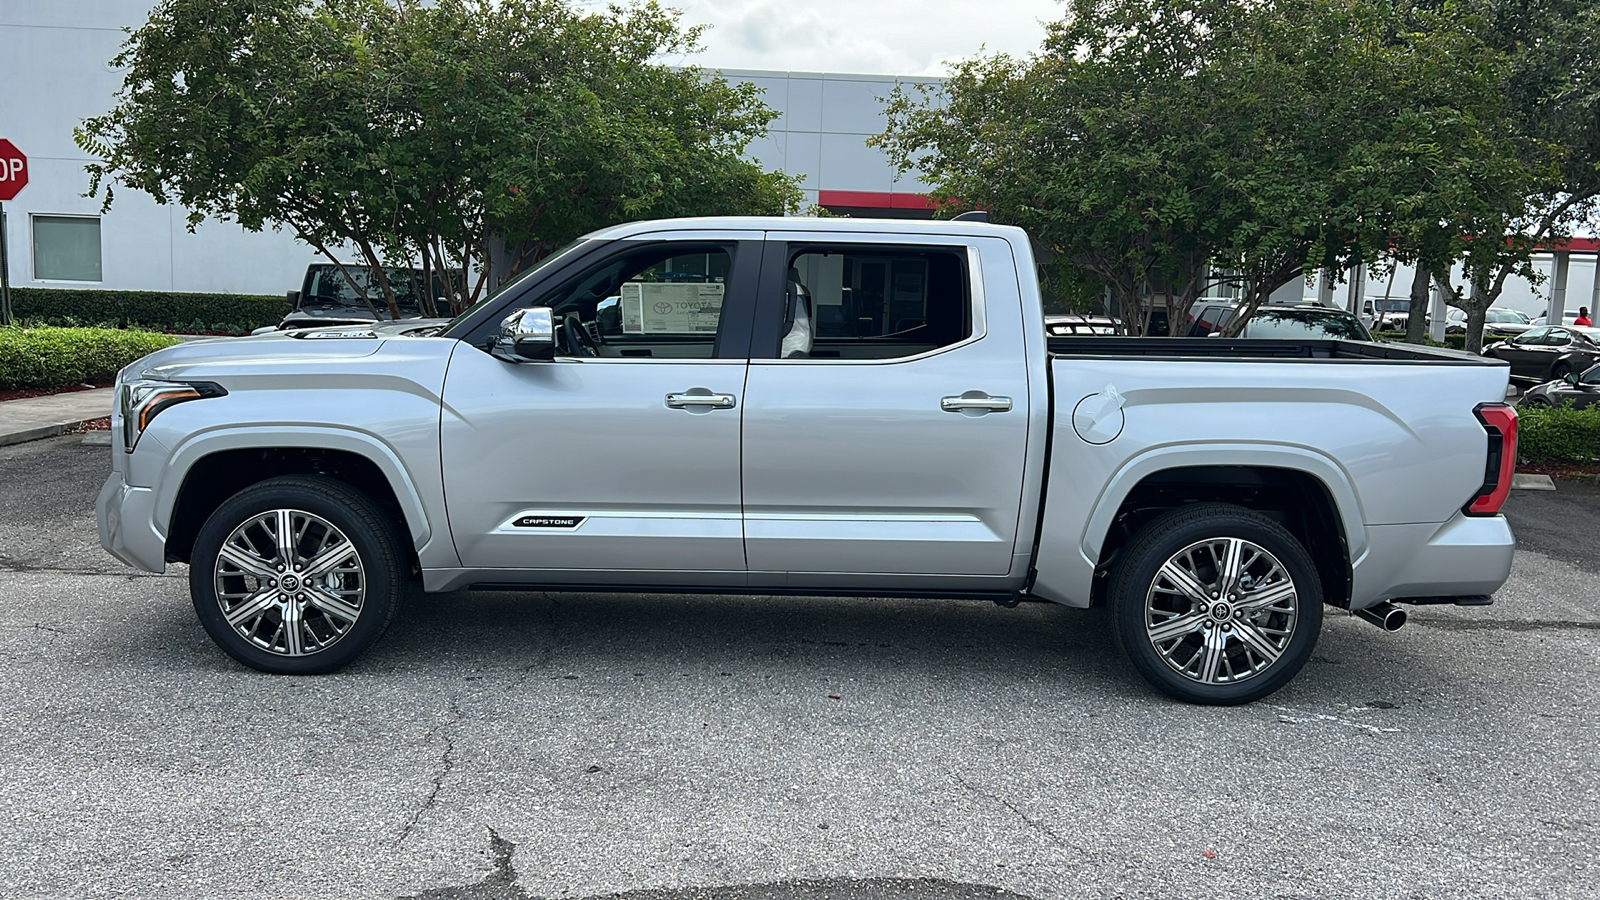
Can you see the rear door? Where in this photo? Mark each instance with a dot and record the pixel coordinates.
(886, 410)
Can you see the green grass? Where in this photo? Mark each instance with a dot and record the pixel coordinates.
(48, 357)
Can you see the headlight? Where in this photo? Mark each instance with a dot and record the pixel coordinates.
(141, 400)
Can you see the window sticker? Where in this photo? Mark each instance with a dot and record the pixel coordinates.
(668, 308)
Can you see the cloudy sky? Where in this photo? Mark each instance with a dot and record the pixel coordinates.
(884, 37)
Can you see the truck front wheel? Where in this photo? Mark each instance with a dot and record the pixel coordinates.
(296, 575)
(1215, 604)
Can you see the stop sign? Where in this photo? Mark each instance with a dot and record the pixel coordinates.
(13, 170)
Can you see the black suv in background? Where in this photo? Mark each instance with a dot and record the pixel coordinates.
(1295, 322)
(328, 297)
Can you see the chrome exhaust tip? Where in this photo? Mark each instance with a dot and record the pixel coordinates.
(1385, 615)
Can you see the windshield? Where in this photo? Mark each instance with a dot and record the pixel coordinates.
(1305, 323)
(561, 255)
(328, 286)
(1505, 316)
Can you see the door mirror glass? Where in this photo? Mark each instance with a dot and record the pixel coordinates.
(1570, 378)
(527, 335)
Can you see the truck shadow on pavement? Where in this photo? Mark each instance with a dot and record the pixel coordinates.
(501, 884)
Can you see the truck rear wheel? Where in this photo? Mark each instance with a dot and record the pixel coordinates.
(297, 575)
(1216, 604)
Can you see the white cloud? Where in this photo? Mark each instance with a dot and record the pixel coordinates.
(880, 37)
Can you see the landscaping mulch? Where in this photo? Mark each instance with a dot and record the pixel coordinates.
(25, 393)
(102, 424)
(1561, 471)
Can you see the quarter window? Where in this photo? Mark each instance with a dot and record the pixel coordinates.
(66, 248)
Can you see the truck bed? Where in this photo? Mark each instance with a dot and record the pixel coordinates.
(1102, 347)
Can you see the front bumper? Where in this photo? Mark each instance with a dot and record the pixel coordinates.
(126, 516)
(1466, 556)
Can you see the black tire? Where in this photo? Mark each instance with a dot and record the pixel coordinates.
(1149, 609)
(338, 614)
(1559, 371)
(1537, 402)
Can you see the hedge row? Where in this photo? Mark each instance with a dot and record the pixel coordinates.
(155, 310)
(56, 357)
(1560, 435)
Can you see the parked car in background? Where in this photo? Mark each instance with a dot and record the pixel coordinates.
(1388, 313)
(1569, 318)
(1062, 326)
(331, 295)
(1502, 321)
(1574, 388)
(1549, 352)
(1298, 322)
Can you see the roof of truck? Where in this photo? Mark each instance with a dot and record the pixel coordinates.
(804, 223)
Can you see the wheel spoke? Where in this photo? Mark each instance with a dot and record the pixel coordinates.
(327, 560)
(247, 562)
(1267, 596)
(285, 536)
(293, 639)
(1185, 582)
(251, 607)
(1175, 627)
(1232, 565)
(321, 599)
(1255, 640)
(1215, 648)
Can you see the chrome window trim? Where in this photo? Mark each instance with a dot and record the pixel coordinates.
(980, 323)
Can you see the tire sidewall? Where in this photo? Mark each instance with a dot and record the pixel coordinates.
(342, 507)
(1171, 532)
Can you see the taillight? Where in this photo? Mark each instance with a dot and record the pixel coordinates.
(1500, 421)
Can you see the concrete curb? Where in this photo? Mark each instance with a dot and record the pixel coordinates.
(1532, 483)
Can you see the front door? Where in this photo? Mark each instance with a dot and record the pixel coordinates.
(885, 431)
(621, 456)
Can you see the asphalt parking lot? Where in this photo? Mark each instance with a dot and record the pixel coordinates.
(501, 745)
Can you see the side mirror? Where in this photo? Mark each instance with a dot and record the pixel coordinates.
(1571, 378)
(527, 335)
(294, 300)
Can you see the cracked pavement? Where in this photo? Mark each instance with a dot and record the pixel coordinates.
(659, 747)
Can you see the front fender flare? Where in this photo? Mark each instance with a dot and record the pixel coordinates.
(323, 437)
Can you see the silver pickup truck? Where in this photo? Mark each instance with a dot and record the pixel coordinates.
(813, 406)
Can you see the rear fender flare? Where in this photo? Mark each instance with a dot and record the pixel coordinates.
(1271, 456)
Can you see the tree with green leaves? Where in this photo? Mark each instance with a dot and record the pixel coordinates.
(1552, 94)
(441, 132)
(1150, 139)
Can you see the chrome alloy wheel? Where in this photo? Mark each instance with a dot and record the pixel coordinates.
(1221, 610)
(290, 582)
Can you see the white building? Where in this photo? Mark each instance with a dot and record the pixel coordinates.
(56, 72)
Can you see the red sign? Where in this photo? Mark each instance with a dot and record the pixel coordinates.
(13, 170)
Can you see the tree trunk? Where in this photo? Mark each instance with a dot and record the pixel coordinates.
(1476, 307)
(1417, 323)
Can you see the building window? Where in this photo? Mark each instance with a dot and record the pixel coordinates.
(66, 248)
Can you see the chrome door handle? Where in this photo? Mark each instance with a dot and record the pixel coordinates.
(976, 401)
(695, 397)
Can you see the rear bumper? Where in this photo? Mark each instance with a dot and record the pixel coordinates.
(1468, 555)
(126, 516)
